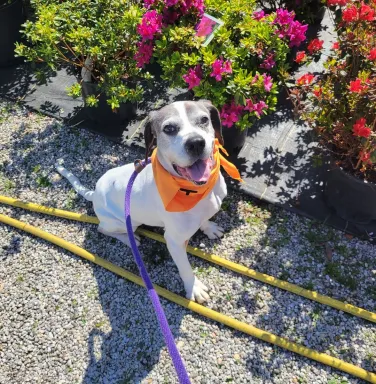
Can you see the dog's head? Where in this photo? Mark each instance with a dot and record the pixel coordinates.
(185, 133)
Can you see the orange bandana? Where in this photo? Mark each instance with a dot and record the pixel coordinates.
(180, 195)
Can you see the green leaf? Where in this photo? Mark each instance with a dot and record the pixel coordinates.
(74, 90)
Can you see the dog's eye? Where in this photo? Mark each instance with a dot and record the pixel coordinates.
(204, 120)
(170, 129)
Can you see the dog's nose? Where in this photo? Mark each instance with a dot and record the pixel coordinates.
(195, 145)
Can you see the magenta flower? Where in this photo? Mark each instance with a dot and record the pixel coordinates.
(249, 105)
(289, 28)
(258, 15)
(198, 4)
(193, 77)
(144, 54)
(259, 107)
(227, 66)
(219, 68)
(255, 79)
(230, 114)
(297, 33)
(269, 62)
(151, 24)
(283, 17)
(268, 83)
(171, 3)
(149, 3)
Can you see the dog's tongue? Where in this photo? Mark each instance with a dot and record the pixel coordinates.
(200, 170)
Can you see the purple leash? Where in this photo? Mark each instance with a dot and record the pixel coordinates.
(167, 334)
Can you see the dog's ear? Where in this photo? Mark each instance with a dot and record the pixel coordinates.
(215, 119)
(149, 137)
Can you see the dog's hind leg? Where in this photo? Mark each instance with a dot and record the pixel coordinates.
(195, 290)
(111, 226)
(123, 237)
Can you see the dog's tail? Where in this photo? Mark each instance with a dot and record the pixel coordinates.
(79, 188)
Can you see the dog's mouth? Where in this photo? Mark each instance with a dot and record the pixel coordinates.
(198, 173)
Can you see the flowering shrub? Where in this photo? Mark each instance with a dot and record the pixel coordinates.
(69, 32)
(238, 70)
(341, 103)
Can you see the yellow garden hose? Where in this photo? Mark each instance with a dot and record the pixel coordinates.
(356, 311)
(209, 313)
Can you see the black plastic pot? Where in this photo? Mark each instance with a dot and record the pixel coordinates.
(352, 199)
(234, 139)
(11, 18)
(105, 121)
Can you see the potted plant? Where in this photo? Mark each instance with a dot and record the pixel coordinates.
(99, 40)
(341, 106)
(11, 19)
(237, 70)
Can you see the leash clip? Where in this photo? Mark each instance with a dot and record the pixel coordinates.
(138, 165)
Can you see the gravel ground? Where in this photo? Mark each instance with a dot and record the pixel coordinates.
(64, 320)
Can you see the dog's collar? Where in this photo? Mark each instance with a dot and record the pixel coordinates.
(180, 195)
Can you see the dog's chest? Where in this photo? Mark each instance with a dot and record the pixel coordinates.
(190, 221)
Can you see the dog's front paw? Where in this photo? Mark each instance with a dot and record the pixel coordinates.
(196, 290)
(212, 230)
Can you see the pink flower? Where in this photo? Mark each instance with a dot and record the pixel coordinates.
(288, 27)
(144, 54)
(217, 70)
(335, 45)
(151, 24)
(283, 17)
(259, 15)
(227, 67)
(255, 79)
(171, 3)
(149, 3)
(193, 77)
(249, 105)
(230, 114)
(297, 33)
(219, 67)
(259, 108)
(269, 62)
(199, 5)
(268, 83)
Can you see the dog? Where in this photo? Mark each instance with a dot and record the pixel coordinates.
(186, 133)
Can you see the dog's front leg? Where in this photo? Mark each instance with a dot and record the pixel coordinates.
(195, 290)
